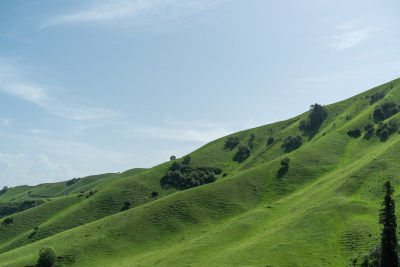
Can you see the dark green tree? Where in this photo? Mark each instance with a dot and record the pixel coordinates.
(387, 218)
(172, 158)
(47, 257)
(186, 160)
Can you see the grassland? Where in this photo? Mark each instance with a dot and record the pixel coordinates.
(322, 211)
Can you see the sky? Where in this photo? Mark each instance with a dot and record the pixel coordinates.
(89, 87)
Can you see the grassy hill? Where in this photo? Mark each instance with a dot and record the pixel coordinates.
(320, 211)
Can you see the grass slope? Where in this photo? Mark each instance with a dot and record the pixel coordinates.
(322, 211)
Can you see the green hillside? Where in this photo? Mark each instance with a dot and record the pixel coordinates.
(322, 210)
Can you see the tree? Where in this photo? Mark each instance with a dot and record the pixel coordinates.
(232, 142)
(47, 257)
(285, 162)
(186, 160)
(387, 218)
(317, 115)
(172, 158)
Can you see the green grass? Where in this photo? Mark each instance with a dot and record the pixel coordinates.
(322, 212)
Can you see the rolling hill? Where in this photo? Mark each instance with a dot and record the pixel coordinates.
(321, 210)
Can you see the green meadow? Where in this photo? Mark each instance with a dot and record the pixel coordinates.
(320, 211)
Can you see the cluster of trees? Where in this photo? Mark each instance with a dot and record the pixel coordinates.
(183, 176)
(72, 181)
(14, 207)
(232, 142)
(317, 115)
(385, 129)
(292, 142)
(377, 96)
(386, 110)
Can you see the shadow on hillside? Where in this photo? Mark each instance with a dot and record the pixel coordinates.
(282, 171)
(311, 133)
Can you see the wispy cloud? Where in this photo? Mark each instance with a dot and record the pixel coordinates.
(12, 83)
(137, 10)
(349, 35)
(200, 132)
(18, 169)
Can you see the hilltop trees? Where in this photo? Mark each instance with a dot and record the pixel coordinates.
(317, 115)
(386, 110)
(172, 158)
(232, 142)
(387, 218)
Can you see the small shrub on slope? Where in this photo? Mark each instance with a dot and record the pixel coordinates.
(317, 115)
(47, 258)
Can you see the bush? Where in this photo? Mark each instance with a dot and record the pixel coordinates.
(8, 220)
(386, 110)
(186, 160)
(393, 126)
(377, 96)
(250, 144)
(270, 140)
(292, 142)
(285, 162)
(384, 134)
(356, 132)
(47, 257)
(154, 194)
(127, 205)
(172, 158)
(317, 115)
(72, 181)
(369, 127)
(243, 153)
(232, 142)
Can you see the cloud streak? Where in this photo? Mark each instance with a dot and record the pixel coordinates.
(138, 11)
(12, 84)
(349, 37)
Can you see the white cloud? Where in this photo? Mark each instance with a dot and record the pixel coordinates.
(12, 83)
(18, 169)
(348, 36)
(138, 10)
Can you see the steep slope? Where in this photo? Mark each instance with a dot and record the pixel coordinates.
(322, 210)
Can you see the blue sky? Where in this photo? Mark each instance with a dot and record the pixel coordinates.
(88, 87)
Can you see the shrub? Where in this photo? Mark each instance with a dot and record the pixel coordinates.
(386, 110)
(127, 205)
(224, 175)
(232, 142)
(356, 132)
(47, 257)
(186, 160)
(243, 153)
(285, 162)
(154, 194)
(250, 144)
(36, 228)
(384, 134)
(172, 158)
(317, 115)
(270, 140)
(377, 96)
(368, 126)
(292, 142)
(72, 181)
(393, 126)
(8, 220)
